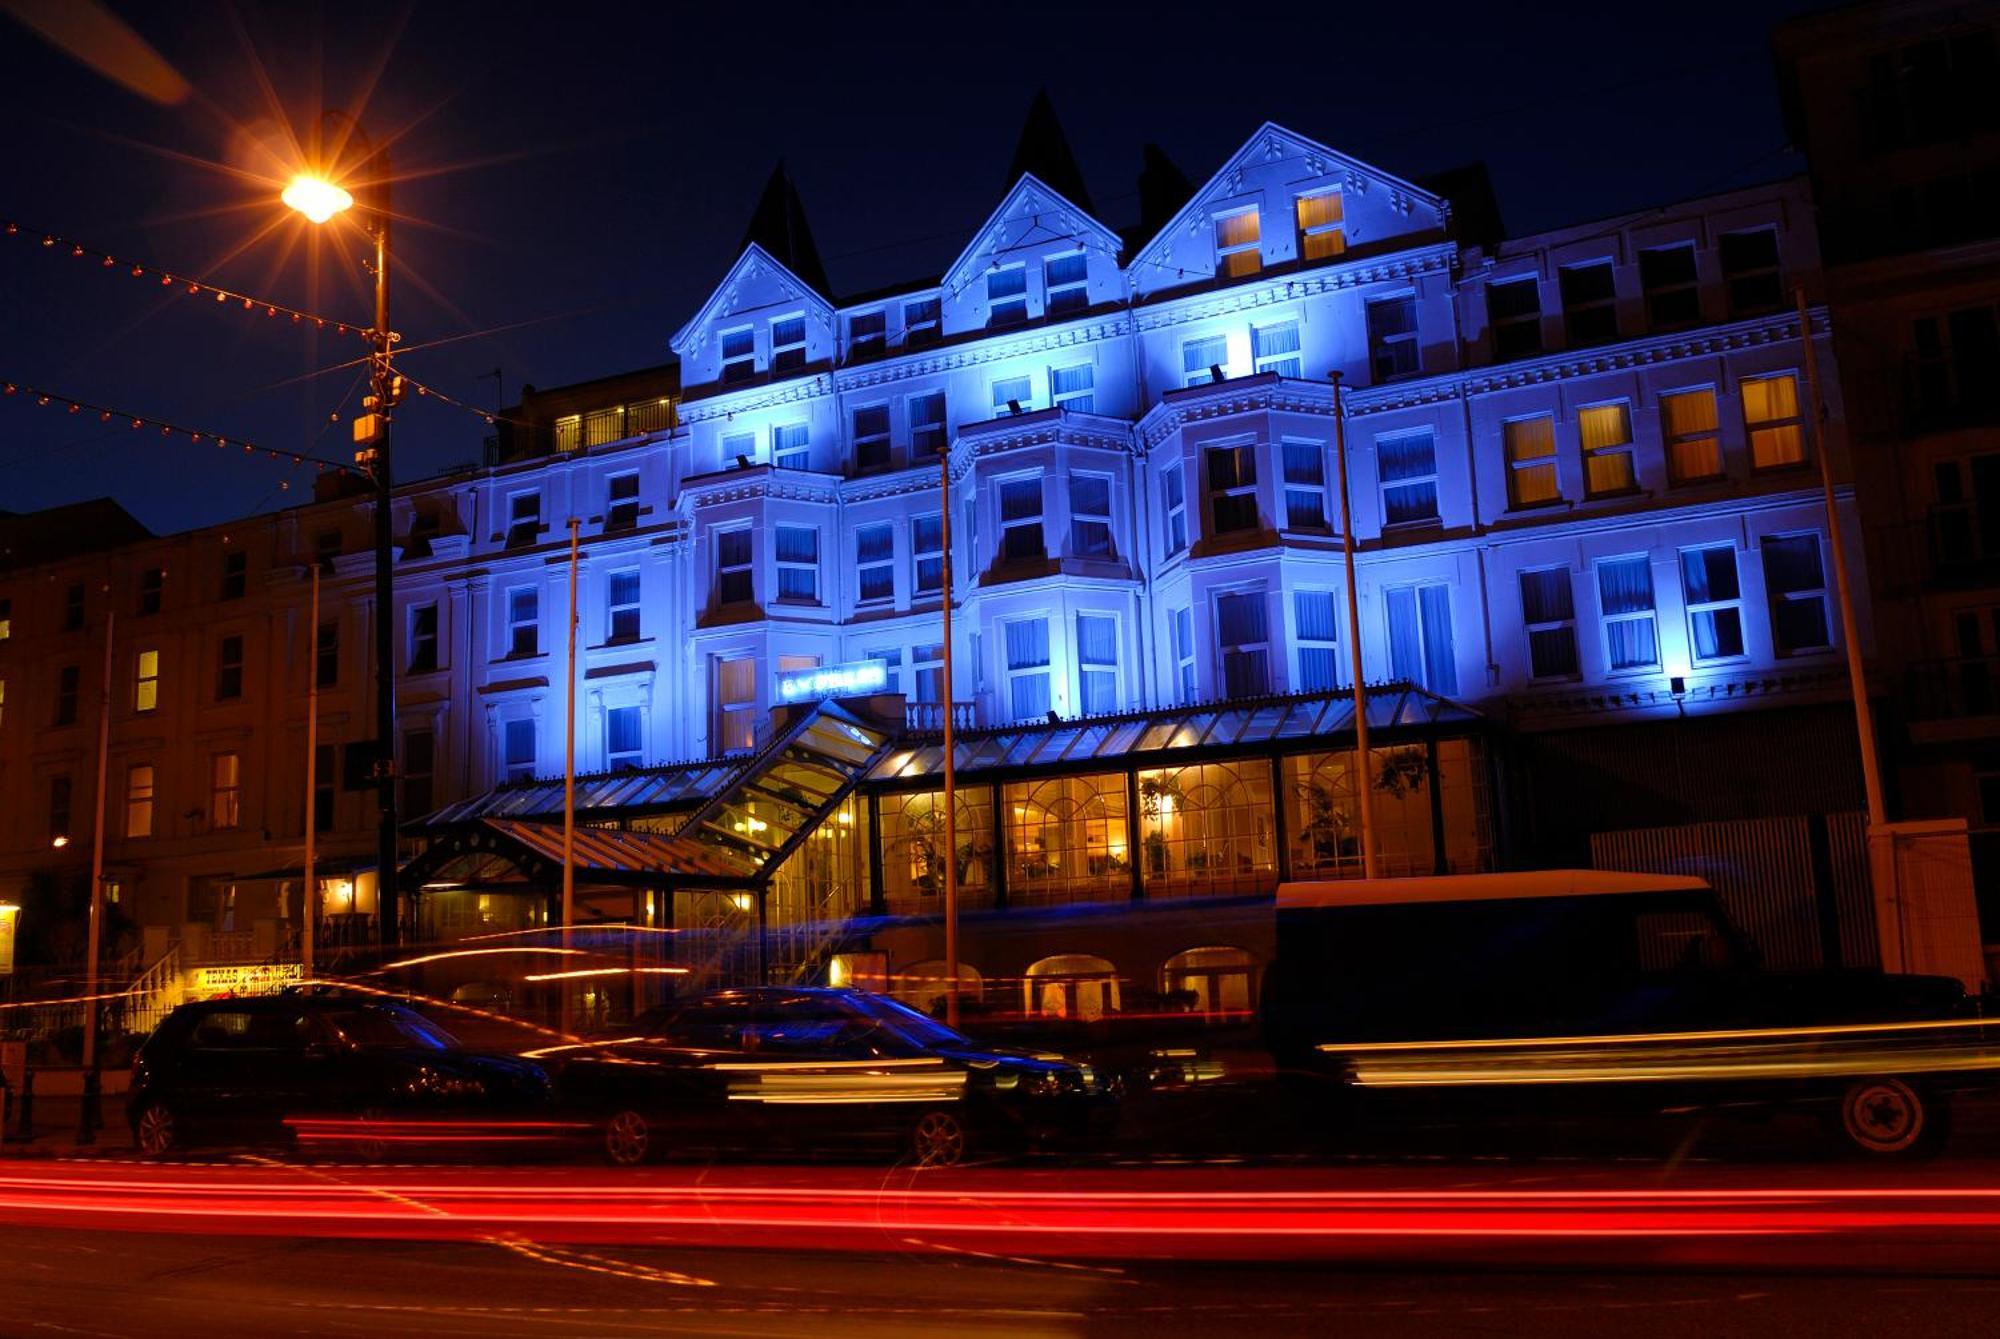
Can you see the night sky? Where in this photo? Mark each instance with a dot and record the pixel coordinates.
(583, 173)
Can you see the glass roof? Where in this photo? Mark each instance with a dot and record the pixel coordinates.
(684, 784)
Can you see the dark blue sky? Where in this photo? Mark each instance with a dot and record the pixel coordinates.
(589, 168)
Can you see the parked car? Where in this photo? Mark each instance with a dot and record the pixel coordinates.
(764, 1069)
(295, 1067)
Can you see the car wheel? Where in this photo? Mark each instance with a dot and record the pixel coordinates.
(1887, 1118)
(939, 1139)
(157, 1132)
(628, 1139)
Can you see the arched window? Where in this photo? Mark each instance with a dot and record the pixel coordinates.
(1219, 977)
(923, 985)
(1072, 985)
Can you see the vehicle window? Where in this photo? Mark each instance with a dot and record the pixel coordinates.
(1679, 941)
(372, 1028)
(223, 1030)
(713, 1026)
(910, 1025)
(279, 1031)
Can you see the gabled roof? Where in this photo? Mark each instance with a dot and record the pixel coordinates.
(778, 224)
(1042, 208)
(754, 263)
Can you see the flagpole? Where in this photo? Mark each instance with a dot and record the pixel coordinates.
(569, 784)
(951, 1012)
(1364, 781)
(309, 894)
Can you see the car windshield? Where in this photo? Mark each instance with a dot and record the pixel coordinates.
(377, 1028)
(908, 1023)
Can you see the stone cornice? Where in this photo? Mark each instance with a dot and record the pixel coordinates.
(1265, 392)
(756, 484)
(1179, 310)
(973, 353)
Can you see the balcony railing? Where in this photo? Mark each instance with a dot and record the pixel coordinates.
(928, 717)
(1962, 688)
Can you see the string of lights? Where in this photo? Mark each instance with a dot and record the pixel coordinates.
(140, 422)
(56, 243)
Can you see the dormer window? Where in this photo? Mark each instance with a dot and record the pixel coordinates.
(1067, 284)
(1238, 244)
(920, 321)
(739, 355)
(524, 519)
(788, 343)
(1322, 234)
(1007, 295)
(867, 333)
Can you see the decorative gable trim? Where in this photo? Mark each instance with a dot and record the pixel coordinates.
(1036, 205)
(755, 263)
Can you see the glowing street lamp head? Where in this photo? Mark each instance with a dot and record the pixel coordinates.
(315, 197)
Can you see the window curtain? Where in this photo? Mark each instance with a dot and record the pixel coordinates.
(1440, 664)
(1406, 643)
(1546, 596)
(1240, 619)
(1313, 611)
(1028, 644)
(1096, 640)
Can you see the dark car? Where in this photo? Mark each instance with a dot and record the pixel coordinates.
(768, 1069)
(297, 1068)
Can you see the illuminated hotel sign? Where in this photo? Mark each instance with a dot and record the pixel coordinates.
(254, 978)
(823, 681)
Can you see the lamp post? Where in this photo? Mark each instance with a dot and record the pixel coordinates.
(321, 201)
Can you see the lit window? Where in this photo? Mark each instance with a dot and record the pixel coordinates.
(1625, 597)
(146, 691)
(871, 437)
(1203, 359)
(1694, 445)
(520, 750)
(621, 603)
(1275, 348)
(621, 503)
(1795, 584)
(1021, 521)
(927, 552)
(1714, 602)
(1090, 516)
(1007, 295)
(419, 771)
(1183, 646)
(139, 800)
(569, 431)
(1318, 635)
(225, 791)
(735, 704)
(788, 343)
(732, 567)
(1067, 284)
(927, 430)
(1606, 430)
(1392, 338)
(798, 564)
(1238, 249)
(1305, 485)
(1750, 265)
(1406, 464)
(1173, 489)
(235, 582)
(1590, 303)
(1421, 649)
(229, 669)
(1673, 295)
(1070, 388)
(1514, 316)
(1010, 393)
(739, 355)
(927, 671)
(1321, 236)
(1548, 615)
(920, 321)
(875, 562)
(1232, 488)
(1531, 461)
(1771, 417)
(524, 519)
(1097, 663)
(1028, 668)
(624, 741)
(867, 333)
(790, 446)
(152, 589)
(423, 638)
(1244, 639)
(523, 621)
(326, 655)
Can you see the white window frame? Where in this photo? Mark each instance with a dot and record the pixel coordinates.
(1303, 643)
(1513, 435)
(927, 671)
(1201, 375)
(1038, 522)
(1290, 363)
(1224, 651)
(920, 554)
(922, 331)
(1173, 480)
(791, 355)
(927, 436)
(748, 567)
(1010, 673)
(785, 565)
(1079, 518)
(787, 452)
(1567, 625)
(1605, 619)
(1691, 286)
(1531, 320)
(1775, 597)
(1002, 403)
(1181, 634)
(523, 528)
(146, 682)
(523, 769)
(1238, 260)
(864, 567)
(613, 607)
(1054, 295)
(1082, 401)
(516, 624)
(1625, 448)
(1309, 233)
(1085, 669)
(621, 513)
(626, 759)
(1389, 346)
(739, 367)
(1712, 435)
(737, 447)
(995, 303)
(873, 343)
(734, 721)
(1713, 607)
(1314, 490)
(1386, 486)
(1796, 421)
(413, 662)
(876, 441)
(1244, 453)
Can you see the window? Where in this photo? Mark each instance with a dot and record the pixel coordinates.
(1089, 516)
(1771, 418)
(1392, 338)
(621, 502)
(1625, 596)
(1407, 466)
(520, 750)
(1028, 668)
(920, 321)
(1021, 521)
(1606, 430)
(1097, 663)
(152, 589)
(1694, 446)
(229, 669)
(1420, 641)
(1204, 360)
(875, 562)
(1007, 295)
(1320, 234)
(139, 800)
(1305, 485)
(1514, 316)
(1242, 633)
(569, 431)
(867, 334)
(423, 638)
(798, 564)
(235, 578)
(146, 689)
(735, 704)
(1548, 614)
(67, 680)
(621, 605)
(225, 790)
(927, 671)
(524, 519)
(73, 608)
(1238, 250)
(59, 807)
(1673, 296)
(1531, 461)
(788, 343)
(871, 437)
(1070, 388)
(927, 552)
(624, 742)
(1173, 489)
(1317, 633)
(790, 446)
(419, 772)
(732, 567)
(1232, 488)
(325, 779)
(1795, 584)
(1183, 647)
(1750, 267)
(1714, 602)
(524, 634)
(1066, 282)
(1275, 348)
(1011, 394)
(927, 429)
(1590, 303)
(326, 655)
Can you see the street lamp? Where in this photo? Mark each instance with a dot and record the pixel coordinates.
(321, 201)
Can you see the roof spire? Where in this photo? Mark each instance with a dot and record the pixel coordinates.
(778, 224)
(1044, 150)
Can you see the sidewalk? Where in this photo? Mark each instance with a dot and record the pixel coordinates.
(55, 1129)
